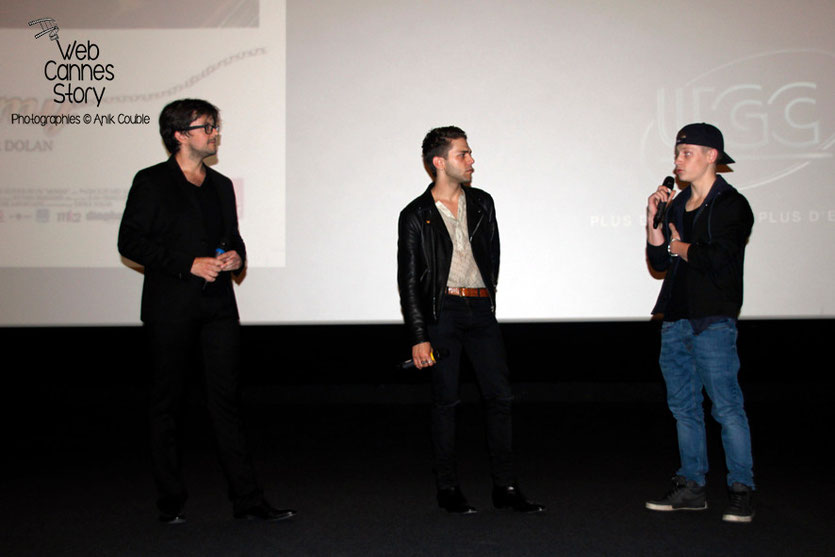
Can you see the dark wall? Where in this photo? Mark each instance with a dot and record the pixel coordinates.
(772, 351)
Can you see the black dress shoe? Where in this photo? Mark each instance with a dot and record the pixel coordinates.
(510, 497)
(264, 511)
(172, 518)
(452, 500)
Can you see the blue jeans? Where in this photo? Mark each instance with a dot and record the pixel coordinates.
(709, 360)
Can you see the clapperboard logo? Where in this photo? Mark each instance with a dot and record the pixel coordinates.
(48, 27)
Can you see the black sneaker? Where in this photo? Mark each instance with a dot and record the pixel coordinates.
(685, 495)
(740, 508)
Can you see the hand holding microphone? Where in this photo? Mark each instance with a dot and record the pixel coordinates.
(207, 268)
(435, 355)
(210, 267)
(229, 258)
(669, 182)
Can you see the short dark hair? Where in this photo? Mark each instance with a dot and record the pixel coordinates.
(437, 144)
(178, 115)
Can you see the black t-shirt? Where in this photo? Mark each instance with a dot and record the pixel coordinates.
(209, 203)
(679, 307)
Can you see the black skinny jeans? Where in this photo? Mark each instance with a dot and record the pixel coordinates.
(467, 325)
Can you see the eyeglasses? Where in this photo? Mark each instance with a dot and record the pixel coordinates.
(208, 128)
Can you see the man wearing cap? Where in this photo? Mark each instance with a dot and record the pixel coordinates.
(447, 269)
(701, 247)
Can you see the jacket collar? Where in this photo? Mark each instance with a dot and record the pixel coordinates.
(474, 210)
(719, 187)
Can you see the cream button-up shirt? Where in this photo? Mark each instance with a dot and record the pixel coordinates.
(463, 271)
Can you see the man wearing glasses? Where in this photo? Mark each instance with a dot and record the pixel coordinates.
(180, 223)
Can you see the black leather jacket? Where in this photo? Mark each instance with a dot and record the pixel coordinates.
(424, 255)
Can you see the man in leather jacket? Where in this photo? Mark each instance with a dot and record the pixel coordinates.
(448, 266)
(701, 246)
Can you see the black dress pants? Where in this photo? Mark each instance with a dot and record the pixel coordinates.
(468, 326)
(173, 344)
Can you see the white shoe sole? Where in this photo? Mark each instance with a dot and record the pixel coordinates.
(737, 518)
(669, 508)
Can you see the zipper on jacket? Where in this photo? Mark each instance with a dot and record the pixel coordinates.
(477, 224)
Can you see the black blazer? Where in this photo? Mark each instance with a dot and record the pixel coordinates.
(162, 229)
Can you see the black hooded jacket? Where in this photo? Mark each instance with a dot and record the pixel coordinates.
(721, 228)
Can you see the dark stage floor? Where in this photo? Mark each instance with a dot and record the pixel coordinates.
(76, 480)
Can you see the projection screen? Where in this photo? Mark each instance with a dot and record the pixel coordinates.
(571, 109)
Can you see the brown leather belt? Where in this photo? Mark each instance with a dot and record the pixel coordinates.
(469, 292)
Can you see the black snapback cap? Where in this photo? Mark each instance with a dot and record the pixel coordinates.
(705, 135)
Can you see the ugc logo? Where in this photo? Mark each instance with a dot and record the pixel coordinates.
(776, 111)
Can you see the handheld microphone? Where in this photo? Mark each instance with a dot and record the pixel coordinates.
(219, 250)
(669, 181)
(437, 354)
